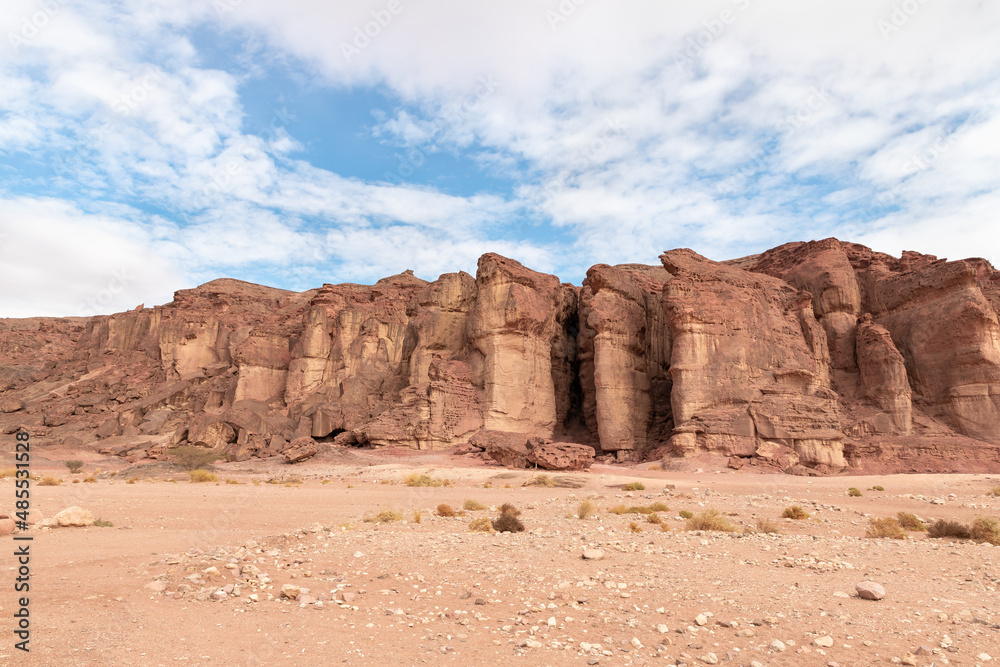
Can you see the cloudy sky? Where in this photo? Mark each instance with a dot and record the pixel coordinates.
(153, 145)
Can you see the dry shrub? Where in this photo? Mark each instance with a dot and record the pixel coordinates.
(385, 516)
(76, 481)
(585, 509)
(659, 507)
(445, 510)
(232, 481)
(877, 488)
(201, 476)
(853, 492)
(653, 517)
(795, 512)
(540, 480)
(634, 527)
(885, 528)
(684, 514)
(634, 486)
(710, 519)
(133, 480)
(944, 528)
(985, 530)
(424, 480)
(618, 509)
(507, 508)
(995, 491)
(50, 481)
(910, 522)
(190, 457)
(481, 525)
(473, 505)
(90, 480)
(664, 527)
(418, 517)
(8, 472)
(508, 523)
(102, 523)
(766, 526)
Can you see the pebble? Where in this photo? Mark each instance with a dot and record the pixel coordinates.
(825, 642)
(593, 554)
(776, 646)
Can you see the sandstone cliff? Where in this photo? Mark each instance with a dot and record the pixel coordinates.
(818, 355)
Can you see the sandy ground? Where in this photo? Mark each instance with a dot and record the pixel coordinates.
(406, 593)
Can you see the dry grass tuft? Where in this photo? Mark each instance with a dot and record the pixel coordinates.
(634, 486)
(766, 526)
(885, 528)
(50, 481)
(201, 476)
(710, 519)
(684, 514)
(445, 510)
(418, 517)
(507, 508)
(424, 480)
(995, 491)
(103, 523)
(508, 523)
(540, 480)
(90, 480)
(481, 525)
(944, 528)
(586, 509)
(8, 472)
(385, 516)
(653, 517)
(634, 527)
(985, 530)
(473, 505)
(910, 522)
(795, 512)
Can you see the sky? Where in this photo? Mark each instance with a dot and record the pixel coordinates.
(148, 146)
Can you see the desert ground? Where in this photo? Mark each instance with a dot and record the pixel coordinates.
(359, 591)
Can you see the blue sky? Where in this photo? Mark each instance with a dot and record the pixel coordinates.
(152, 145)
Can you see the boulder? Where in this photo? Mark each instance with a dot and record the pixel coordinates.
(73, 516)
(10, 404)
(559, 455)
(299, 450)
(507, 449)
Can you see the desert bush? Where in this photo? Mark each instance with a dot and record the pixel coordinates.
(473, 505)
(585, 509)
(90, 480)
(876, 488)
(201, 476)
(424, 480)
(418, 517)
(653, 517)
(795, 512)
(944, 528)
(766, 526)
(853, 492)
(103, 523)
(76, 481)
(985, 530)
(385, 516)
(618, 509)
(885, 528)
(634, 486)
(540, 480)
(132, 480)
(664, 527)
(481, 525)
(74, 466)
(995, 491)
(910, 522)
(634, 527)
(445, 510)
(50, 481)
(710, 519)
(659, 507)
(508, 523)
(190, 457)
(232, 481)
(684, 514)
(8, 472)
(507, 508)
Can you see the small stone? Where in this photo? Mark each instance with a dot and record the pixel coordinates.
(551, 622)
(777, 646)
(156, 586)
(709, 659)
(984, 657)
(593, 554)
(636, 643)
(347, 597)
(358, 554)
(290, 591)
(869, 590)
(593, 661)
(824, 642)
(922, 650)
(701, 619)
(747, 632)
(662, 629)
(909, 659)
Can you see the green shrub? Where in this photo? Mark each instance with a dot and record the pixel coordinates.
(710, 519)
(585, 509)
(853, 492)
(201, 476)
(876, 488)
(794, 512)
(634, 486)
(103, 523)
(74, 466)
(684, 514)
(190, 457)
(944, 528)
(885, 528)
(910, 522)
(508, 523)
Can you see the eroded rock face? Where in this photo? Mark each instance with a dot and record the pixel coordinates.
(809, 357)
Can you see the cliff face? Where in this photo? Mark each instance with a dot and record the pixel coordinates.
(822, 354)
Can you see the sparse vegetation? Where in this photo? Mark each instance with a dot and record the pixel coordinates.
(473, 505)
(586, 509)
(887, 528)
(995, 491)
(232, 481)
(653, 517)
(190, 457)
(76, 481)
(634, 486)
(910, 522)
(103, 523)
(684, 514)
(508, 523)
(766, 526)
(481, 525)
(385, 516)
(634, 527)
(710, 519)
(90, 480)
(664, 528)
(540, 480)
(74, 466)
(876, 488)
(795, 512)
(8, 472)
(133, 480)
(418, 517)
(200, 476)
(507, 508)
(639, 509)
(50, 481)
(853, 492)
(945, 528)
(424, 480)
(985, 530)
(445, 510)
